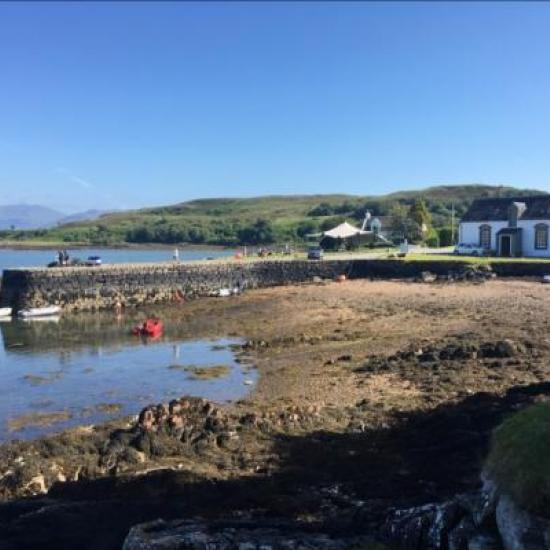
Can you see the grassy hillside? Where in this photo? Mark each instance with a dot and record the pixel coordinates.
(267, 219)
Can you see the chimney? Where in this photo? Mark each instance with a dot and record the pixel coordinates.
(365, 221)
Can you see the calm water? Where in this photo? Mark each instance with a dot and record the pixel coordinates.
(87, 368)
(35, 258)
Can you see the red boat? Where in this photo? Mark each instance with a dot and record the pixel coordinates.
(150, 327)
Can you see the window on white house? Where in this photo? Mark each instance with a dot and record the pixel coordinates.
(541, 236)
(485, 236)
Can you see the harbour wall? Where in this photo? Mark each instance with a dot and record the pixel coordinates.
(94, 288)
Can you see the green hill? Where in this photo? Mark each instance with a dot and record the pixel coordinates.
(230, 221)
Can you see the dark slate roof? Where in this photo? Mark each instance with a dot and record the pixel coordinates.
(490, 210)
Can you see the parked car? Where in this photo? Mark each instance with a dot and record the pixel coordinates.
(315, 253)
(93, 260)
(464, 249)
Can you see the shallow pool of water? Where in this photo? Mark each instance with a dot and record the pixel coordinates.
(84, 369)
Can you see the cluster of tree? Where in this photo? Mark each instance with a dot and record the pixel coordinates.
(357, 211)
(413, 223)
(411, 220)
(326, 209)
(440, 211)
(20, 234)
(417, 220)
(260, 231)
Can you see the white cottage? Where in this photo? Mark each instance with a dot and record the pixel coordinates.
(508, 226)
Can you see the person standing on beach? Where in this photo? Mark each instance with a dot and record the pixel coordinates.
(176, 255)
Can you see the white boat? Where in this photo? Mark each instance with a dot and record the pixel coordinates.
(39, 312)
(5, 311)
(224, 292)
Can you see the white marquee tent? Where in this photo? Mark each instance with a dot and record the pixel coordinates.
(344, 231)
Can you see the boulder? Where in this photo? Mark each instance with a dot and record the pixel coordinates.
(500, 349)
(507, 348)
(428, 277)
(519, 529)
(426, 526)
(484, 541)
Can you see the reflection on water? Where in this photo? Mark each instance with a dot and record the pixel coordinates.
(84, 369)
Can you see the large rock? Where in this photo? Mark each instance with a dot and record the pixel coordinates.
(520, 530)
(500, 349)
(426, 526)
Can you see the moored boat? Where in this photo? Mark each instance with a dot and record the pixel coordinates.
(151, 327)
(224, 292)
(39, 312)
(5, 311)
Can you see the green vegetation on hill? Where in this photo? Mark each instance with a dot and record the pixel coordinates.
(259, 220)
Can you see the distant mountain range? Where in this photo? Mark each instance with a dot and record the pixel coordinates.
(33, 216)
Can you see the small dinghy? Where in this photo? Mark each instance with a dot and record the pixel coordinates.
(150, 327)
(224, 292)
(39, 312)
(5, 311)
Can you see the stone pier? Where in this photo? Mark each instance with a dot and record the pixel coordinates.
(94, 288)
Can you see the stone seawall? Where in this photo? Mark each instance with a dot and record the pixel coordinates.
(92, 288)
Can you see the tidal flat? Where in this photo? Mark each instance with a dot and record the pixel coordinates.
(370, 396)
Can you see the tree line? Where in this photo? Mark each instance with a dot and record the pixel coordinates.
(413, 221)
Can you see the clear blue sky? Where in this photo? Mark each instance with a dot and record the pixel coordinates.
(126, 105)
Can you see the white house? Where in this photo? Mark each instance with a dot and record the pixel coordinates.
(508, 226)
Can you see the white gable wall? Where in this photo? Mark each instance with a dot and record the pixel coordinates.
(528, 238)
(469, 234)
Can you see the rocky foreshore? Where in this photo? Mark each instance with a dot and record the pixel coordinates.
(219, 479)
(370, 425)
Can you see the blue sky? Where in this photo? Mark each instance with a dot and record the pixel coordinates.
(134, 104)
